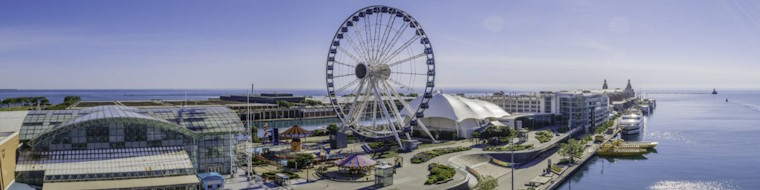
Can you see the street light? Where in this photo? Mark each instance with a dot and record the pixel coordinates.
(307, 170)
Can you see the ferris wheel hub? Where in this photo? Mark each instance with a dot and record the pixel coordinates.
(380, 71)
(361, 70)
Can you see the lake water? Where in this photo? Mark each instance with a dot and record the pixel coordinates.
(705, 143)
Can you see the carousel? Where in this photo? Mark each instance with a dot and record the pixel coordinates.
(295, 134)
(355, 165)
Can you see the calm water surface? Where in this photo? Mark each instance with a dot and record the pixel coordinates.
(705, 143)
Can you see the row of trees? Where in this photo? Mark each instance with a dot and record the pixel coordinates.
(67, 101)
(311, 102)
(25, 101)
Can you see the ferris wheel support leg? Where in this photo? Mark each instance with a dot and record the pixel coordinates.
(409, 108)
(353, 106)
(385, 111)
(424, 128)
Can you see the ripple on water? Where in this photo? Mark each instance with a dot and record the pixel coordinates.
(691, 185)
(670, 135)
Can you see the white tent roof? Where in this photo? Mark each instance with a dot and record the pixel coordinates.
(458, 108)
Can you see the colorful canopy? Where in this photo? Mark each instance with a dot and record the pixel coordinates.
(356, 161)
(295, 132)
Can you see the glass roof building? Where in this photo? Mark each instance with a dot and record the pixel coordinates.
(125, 143)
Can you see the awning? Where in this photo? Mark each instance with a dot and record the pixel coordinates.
(125, 184)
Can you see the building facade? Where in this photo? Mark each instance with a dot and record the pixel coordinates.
(583, 108)
(542, 102)
(108, 143)
(576, 108)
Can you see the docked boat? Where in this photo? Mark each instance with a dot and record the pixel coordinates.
(625, 148)
(611, 150)
(645, 109)
(631, 123)
(637, 144)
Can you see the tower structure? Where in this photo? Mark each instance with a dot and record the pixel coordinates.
(605, 84)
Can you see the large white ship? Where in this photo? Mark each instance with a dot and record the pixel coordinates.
(631, 123)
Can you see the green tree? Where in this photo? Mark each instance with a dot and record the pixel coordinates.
(283, 103)
(311, 102)
(303, 160)
(487, 183)
(572, 145)
(332, 127)
(255, 134)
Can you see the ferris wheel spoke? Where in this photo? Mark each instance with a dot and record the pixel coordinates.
(407, 59)
(402, 48)
(402, 85)
(395, 39)
(359, 37)
(345, 75)
(367, 34)
(352, 83)
(388, 30)
(375, 36)
(358, 45)
(343, 50)
(356, 49)
(408, 73)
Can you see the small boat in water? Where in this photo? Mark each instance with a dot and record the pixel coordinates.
(714, 91)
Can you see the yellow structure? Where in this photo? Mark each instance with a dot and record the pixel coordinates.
(295, 145)
(8, 146)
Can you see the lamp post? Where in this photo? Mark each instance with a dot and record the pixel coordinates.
(307, 170)
(512, 147)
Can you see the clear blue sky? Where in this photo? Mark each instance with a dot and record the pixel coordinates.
(573, 44)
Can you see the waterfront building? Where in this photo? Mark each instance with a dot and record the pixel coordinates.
(582, 108)
(578, 108)
(454, 117)
(269, 98)
(542, 102)
(620, 99)
(125, 147)
(533, 121)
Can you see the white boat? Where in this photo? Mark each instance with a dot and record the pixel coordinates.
(631, 123)
(645, 109)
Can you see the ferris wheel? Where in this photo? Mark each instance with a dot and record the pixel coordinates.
(379, 58)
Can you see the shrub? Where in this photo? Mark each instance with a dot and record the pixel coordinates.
(438, 173)
(319, 132)
(517, 147)
(556, 169)
(563, 129)
(544, 136)
(377, 145)
(430, 154)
